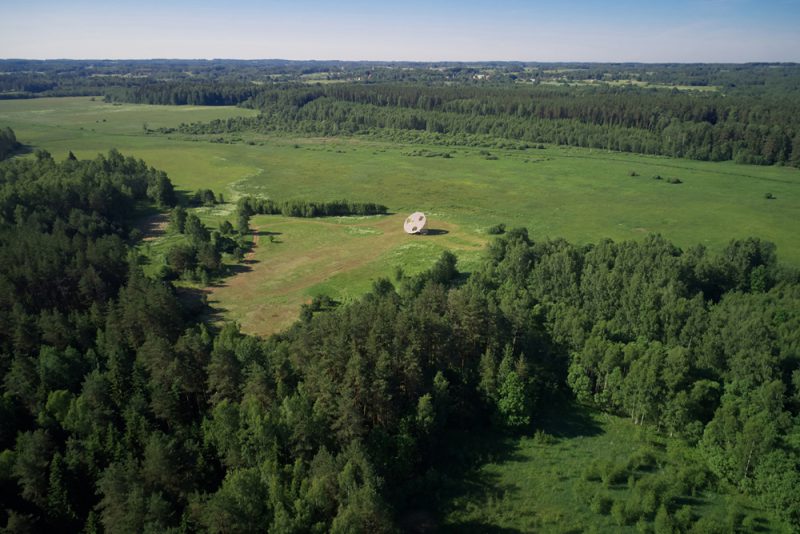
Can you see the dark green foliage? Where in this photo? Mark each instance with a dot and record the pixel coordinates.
(497, 229)
(203, 197)
(201, 257)
(243, 215)
(226, 228)
(177, 219)
(8, 142)
(299, 208)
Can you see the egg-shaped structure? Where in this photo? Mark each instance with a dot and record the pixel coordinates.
(415, 223)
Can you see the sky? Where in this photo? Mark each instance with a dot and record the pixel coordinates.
(730, 31)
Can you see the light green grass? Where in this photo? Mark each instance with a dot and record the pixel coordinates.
(579, 194)
(296, 259)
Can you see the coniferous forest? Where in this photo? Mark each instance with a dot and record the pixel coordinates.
(746, 113)
(123, 411)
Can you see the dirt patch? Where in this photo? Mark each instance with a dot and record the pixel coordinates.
(252, 254)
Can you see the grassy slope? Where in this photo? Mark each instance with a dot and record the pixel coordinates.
(581, 195)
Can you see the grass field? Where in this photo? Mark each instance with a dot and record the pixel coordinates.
(578, 474)
(581, 195)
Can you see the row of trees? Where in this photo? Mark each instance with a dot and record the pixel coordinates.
(251, 205)
(182, 94)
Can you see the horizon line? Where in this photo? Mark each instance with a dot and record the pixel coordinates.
(423, 61)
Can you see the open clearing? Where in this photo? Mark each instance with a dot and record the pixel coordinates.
(579, 194)
(339, 257)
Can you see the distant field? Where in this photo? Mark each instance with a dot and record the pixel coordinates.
(636, 83)
(579, 194)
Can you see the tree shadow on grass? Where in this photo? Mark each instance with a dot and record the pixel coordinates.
(568, 421)
(23, 150)
(461, 482)
(477, 527)
(194, 301)
(236, 269)
(198, 303)
(457, 476)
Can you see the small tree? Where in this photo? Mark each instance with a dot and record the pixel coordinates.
(512, 402)
(226, 228)
(177, 219)
(196, 230)
(243, 221)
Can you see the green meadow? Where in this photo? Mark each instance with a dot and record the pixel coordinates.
(585, 471)
(578, 194)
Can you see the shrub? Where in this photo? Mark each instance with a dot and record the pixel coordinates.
(601, 503)
(540, 437)
(674, 181)
(633, 173)
(644, 459)
(497, 229)
(663, 523)
(684, 517)
(592, 472)
(769, 196)
(622, 514)
(614, 474)
(643, 526)
(693, 478)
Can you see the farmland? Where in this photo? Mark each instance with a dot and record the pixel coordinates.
(582, 195)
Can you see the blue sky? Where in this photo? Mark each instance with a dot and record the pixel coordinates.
(467, 30)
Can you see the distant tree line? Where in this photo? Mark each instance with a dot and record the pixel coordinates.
(748, 129)
(141, 79)
(182, 94)
(251, 205)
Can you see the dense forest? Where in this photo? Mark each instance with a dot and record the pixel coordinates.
(746, 113)
(122, 411)
(748, 129)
